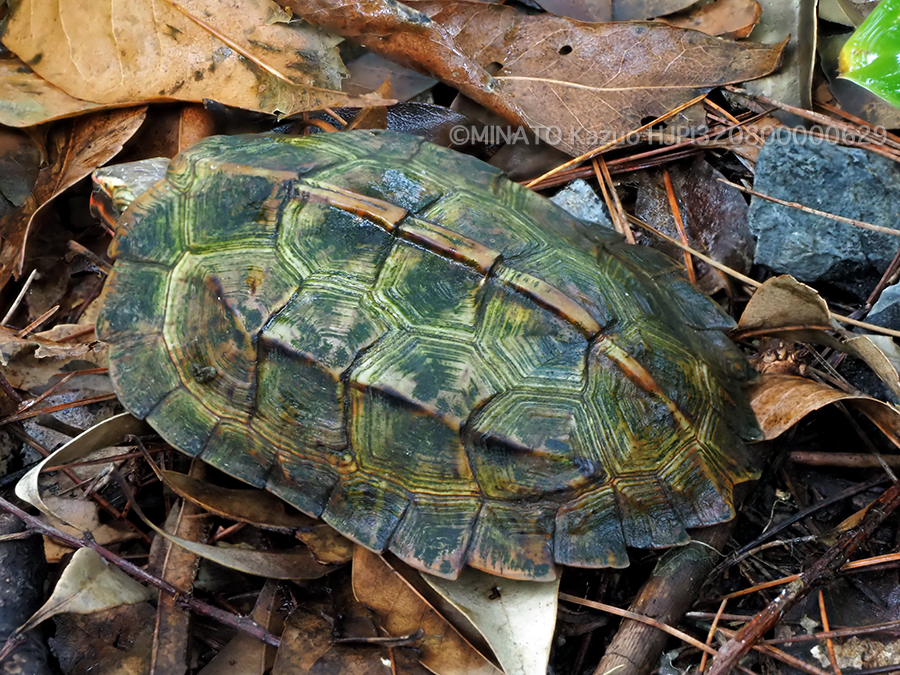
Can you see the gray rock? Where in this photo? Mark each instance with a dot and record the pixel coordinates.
(849, 182)
(579, 199)
(886, 311)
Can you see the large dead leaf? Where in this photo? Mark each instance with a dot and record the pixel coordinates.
(575, 84)
(517, 618)
(264, 510)
(402, 611)
(76, 149)
(244, 53)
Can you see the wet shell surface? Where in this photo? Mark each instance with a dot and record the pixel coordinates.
(394, 337)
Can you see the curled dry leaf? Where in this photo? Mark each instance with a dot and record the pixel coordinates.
(725, 18)
(296, 563)
(575, 84)
(256, 507)
(784, 307)
(784, 304)
(34, 362)
(103, 435)
(77, 149)
(89, 584)
(402, 611)
(243, 53)
(780, 402)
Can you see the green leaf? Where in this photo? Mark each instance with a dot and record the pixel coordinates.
(869, 58)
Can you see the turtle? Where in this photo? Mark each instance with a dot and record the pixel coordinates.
(394, 337)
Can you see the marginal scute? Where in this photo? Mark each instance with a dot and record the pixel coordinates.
(303, 480)
(589, 531)
(146, 360)
(237, 450)
(367, 509)
(183, 421)
(449, 522)
(436, 361)
(648, 519)
(133, 294)
(514, 540)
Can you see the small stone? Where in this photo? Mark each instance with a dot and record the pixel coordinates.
(886, 311)
(848, 182)
(579, 199)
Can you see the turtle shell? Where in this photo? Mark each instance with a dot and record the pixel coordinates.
(437, 362)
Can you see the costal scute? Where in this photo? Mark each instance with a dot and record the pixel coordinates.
(394, 337)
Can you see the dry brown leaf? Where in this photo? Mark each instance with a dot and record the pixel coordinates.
(295, 563)
(242, 53)
(308, 643)
(613, 10)
(369, 71)
(27, 99)
(785, 308)
(172, 129)
(265, 510)
(76, 149)
(781, 401)
(403, 610)
(725, 18)
(784, 304)
(714, 215)
(576, 84)
(34, 362)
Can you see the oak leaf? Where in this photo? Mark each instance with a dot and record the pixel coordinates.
(575, 84)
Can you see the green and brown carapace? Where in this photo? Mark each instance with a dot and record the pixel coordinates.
(394, 337)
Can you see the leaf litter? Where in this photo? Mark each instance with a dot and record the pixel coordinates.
(540, 70)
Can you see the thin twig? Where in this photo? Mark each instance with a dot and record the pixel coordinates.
(825, 569)
(606, 146)
(184, 598)
(816, 212)
(18, 300)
